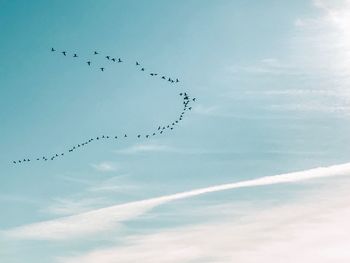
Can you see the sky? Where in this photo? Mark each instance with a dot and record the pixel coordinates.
(258, 168)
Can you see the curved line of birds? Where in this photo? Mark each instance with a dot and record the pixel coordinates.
(186, 100)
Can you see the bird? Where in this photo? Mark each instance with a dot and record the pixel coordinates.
(161, 132)
(95, 52)
(119, 60)
(190, 108)
(37, 159)
(142, 69)
(14, 161)
(152, 74)
(53, 50)
(107, 57)
(64, 53)
(102, 69)
(125, 136)
(153, 134)
(115, 137)
(138, 136)
(158, 128)
(180, 94)
(113, 59)
(137, 63)
(169, 79)
(177, 80)
(163, 77)
(97, 138)
(89, 63)
(75, 56)
(147, 136)
(19, 161)
(194, 99)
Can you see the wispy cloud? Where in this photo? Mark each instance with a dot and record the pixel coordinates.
(105, 167)
(143, 148)
(104, 219)
(69, 206)
(310, 230)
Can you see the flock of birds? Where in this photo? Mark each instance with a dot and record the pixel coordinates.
(186, 101)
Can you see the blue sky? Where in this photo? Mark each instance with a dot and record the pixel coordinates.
(271, 82)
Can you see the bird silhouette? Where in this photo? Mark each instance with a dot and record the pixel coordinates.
(95, 52)
(137, 63)
(75, 56)
(53, 50)
(89, 63)
(102, 69)
(177, 80)
(163, 77)
(138, 136)
(107, 57)
(142, 69)
(113, 59)
(125, 136)
(64, 53)
(119, 60)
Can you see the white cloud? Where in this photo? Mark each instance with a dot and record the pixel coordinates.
(105, 167)
(142, 148)
(104, 219)
(306, 231)
(66, 206)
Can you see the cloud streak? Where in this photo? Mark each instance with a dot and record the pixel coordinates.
(104, 219)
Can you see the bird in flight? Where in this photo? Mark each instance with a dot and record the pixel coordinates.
(75, 56)
(137, 63)
(113, 59)
(142, 69)
(52, 49)
(107, 57)
(64, 53)
(95, 52)
(119, 60)
(138, 136)
(163, 77)
(177, 80)
(89, 63)
(102, 69)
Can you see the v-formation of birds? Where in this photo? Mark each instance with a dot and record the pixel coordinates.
(186, 101)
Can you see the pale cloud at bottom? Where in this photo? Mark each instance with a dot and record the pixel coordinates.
(305, 230)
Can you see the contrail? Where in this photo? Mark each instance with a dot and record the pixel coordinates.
(104, 219)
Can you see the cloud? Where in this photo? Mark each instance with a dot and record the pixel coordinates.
(313, 230)
(104, 219)
(142, 148)
(105, 167)
(66, 206)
